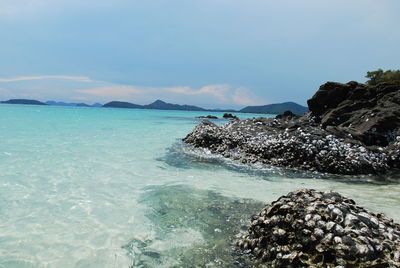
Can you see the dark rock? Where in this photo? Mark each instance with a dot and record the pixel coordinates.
(230, 116)
(286, 114)
(338, 136)
(295, 143)
(370, 114)
(307, 228)
(207, 117)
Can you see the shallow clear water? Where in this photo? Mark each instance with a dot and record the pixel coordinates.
(89, 187)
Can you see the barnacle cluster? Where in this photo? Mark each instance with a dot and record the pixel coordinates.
(309, 228)
(293, 145)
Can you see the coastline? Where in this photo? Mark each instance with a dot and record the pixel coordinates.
(351, 129)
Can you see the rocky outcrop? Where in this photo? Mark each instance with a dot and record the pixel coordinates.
(286, 115)
(230, 116)
(308, 228)
(342, 133)
(207, 117)
(370, 114)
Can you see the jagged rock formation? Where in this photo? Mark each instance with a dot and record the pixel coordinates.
(342, 133)
(370, 114)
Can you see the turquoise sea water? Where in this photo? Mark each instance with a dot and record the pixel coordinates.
(93, 187)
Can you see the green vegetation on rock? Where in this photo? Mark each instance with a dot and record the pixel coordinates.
(380, 76)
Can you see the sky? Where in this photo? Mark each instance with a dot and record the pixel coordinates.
(210, 53)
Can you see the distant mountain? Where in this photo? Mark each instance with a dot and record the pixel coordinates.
(82, 105)
(24, 101)
(60, 103)
(161, 105)
(222, 110)
(157, 105)
(122, 104)
(277, 108)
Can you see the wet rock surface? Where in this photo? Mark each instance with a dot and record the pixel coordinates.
(364, 137)
(308, 228)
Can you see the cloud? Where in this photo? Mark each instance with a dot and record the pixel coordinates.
(40, 77)
(243, 96)
(114, 91)
(219, 91)
(65, 87)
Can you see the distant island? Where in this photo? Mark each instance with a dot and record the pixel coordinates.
(80, 104)
(23, 101)
(51, 103)
(157, 105)
(277, 108)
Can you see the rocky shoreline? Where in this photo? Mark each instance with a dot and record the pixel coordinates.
(350, 129)
(308, 228)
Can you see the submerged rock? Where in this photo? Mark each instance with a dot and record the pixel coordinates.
(356, 142)
(321, 229)
(191, 228)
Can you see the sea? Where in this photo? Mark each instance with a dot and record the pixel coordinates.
(96, 187)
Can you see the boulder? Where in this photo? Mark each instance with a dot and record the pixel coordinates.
(207, 117)
(370, 114)
(286, 114)
(230, 116)
(308, 228)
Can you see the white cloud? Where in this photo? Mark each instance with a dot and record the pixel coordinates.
(65, 87)
(40, 77)
(243, 96)
(219, 91)
(114, 91)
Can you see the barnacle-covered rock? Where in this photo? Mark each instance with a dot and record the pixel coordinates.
(308, 228)
(341, 134)
(295, 143)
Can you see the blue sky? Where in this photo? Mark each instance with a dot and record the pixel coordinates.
(212, 53)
